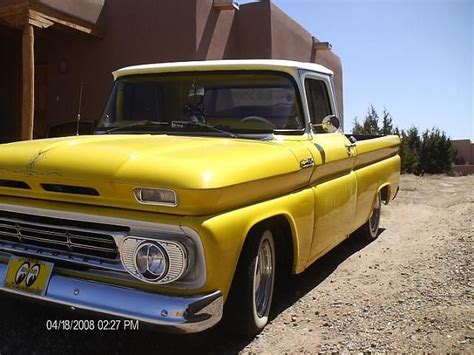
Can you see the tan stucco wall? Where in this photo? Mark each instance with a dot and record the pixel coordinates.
(465, 150)
(291, 41)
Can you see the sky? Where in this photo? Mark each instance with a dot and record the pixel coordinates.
(413, 57)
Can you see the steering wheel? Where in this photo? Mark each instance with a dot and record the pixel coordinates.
(258, 119)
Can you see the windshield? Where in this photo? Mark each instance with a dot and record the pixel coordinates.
(211, 102)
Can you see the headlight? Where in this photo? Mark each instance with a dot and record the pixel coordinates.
(159, 197)
(153, 261)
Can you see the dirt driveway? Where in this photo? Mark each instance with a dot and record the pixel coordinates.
(408, 291)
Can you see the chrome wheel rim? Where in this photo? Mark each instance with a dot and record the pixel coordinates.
(375, 216)
(263, 277)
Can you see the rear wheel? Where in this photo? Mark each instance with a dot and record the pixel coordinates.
(251, 295)
(370, 230)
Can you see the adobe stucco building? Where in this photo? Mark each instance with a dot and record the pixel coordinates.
(49, 47)
(464, 163)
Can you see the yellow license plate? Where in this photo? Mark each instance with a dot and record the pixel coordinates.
(28, 275)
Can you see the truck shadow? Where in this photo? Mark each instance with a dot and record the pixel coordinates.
(23, 326)
(299, 285)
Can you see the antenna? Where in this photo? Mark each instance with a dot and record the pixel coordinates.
(79, 110)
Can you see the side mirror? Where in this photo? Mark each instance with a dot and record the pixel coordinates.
(330, 124)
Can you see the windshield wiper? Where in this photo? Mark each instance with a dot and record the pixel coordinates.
(180, 124)
(173, 124)
(136, 124)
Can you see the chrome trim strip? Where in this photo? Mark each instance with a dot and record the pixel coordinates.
(52, 226)
(52, 255)
(93, 239)
(66, 244)
(185, 314)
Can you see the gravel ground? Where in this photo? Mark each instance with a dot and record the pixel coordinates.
(408, 291)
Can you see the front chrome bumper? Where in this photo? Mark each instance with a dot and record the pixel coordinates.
(184, 314)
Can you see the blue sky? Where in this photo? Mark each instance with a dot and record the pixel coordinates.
(414, 57)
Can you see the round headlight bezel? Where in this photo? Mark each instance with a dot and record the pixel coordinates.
(175, 254)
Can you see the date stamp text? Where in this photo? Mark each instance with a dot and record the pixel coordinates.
(92, 324)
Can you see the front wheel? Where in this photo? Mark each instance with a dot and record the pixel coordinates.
(252, 291)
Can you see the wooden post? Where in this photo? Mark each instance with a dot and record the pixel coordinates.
(28, 83)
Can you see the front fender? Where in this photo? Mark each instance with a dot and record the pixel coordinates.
(223, 235)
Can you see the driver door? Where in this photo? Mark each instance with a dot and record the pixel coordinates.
(333, 181)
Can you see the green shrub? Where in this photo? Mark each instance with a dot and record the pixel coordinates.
(436, 153)
(431, 152)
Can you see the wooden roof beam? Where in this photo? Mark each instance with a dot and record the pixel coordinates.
(36, 19)
(226, 5)
(42, 16)
(321, 45)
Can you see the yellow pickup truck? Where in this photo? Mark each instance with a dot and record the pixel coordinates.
(202, 185)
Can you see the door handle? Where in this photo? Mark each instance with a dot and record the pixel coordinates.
(306, 163)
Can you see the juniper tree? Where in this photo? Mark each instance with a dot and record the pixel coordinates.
(431, 152)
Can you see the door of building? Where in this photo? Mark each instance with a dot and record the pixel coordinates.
(10, 87)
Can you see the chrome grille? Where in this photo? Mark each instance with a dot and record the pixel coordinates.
(55, 234)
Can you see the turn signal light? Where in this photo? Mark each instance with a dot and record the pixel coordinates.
(160, 197)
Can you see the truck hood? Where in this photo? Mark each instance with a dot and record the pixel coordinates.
(209, 174)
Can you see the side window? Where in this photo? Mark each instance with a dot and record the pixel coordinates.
(318, 101)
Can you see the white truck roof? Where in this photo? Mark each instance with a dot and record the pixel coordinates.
(288, 66)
